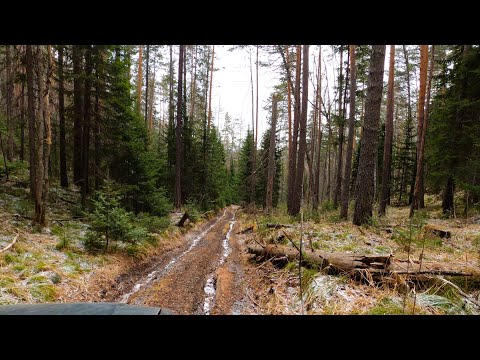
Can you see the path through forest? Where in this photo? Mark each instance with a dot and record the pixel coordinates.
(204, 277)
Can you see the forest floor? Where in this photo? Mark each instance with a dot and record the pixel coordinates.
(277, 290)
(204, 268)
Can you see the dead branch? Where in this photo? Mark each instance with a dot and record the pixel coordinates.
(9, 245)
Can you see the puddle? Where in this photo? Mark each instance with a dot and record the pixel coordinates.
(209, 287)
(157, 273)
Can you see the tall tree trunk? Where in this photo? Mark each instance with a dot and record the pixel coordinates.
(86, 124)
(140, 75)
(448, 204)
(193, 86)
(39, 217)
(296, 120)
(351, 135)
(152, 97)
(48, 130)
(302, 146)
(254, 150)
(418, 192)
(387, 148)
(31, 118)
(289, 94)
(170, 92)
(179, 144)
(365, 178)
(98, 90)
(338, 182)
(22, 123)
(9, 97)
(61, 115)
(256, 106)
(210, 92)
(318, 106)
(147, 75)
(78, 114)
(271, 158)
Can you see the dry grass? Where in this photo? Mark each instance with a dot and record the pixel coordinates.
(276, 290)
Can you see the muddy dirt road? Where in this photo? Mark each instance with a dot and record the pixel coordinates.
(204, 277)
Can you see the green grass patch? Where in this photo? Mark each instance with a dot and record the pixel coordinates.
(43, 293)
(386, 306)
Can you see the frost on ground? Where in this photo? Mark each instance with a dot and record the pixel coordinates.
(338, 294)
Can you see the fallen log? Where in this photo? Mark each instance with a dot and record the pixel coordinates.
(278, 226)
(247, 230)
(443, 234)
(378, 265)
(9, 245)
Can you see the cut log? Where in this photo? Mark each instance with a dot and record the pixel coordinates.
(183, 219)
(377, 265)
(278, 226)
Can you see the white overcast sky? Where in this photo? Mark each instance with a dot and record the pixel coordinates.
(232, 86)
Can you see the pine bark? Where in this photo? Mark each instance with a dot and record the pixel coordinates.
(318, 106)
(78, 114)
(271, 158)
(302, 146)
(351, 136)
(418, 191)
(341, 131)
(61, 116)
(86, 124)
(365, 185)
(387, 148)
(296, 119)
(140, 76)
(31, 118)
(178, 142)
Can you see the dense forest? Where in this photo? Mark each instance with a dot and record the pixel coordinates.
(355, 130)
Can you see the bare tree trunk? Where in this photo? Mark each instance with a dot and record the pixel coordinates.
(152, 97)
(61, 115)
(78, 114)
(256, 107)
(22, 122)
(418, 192)
(9, 90)
(271, 158)
(179, 143)
(147, 75)
(31, 118)
(140, 76)
(193, 86)
(296, 119)
(210, 93)
(318, 106)
(86, 124)
(289, 94)
(351, 136)
(254, 150)
(303, 137)
(170, 93)
(387, 148)
(365, 178)
(338, 182)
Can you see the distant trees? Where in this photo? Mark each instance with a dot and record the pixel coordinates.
(143, 116)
